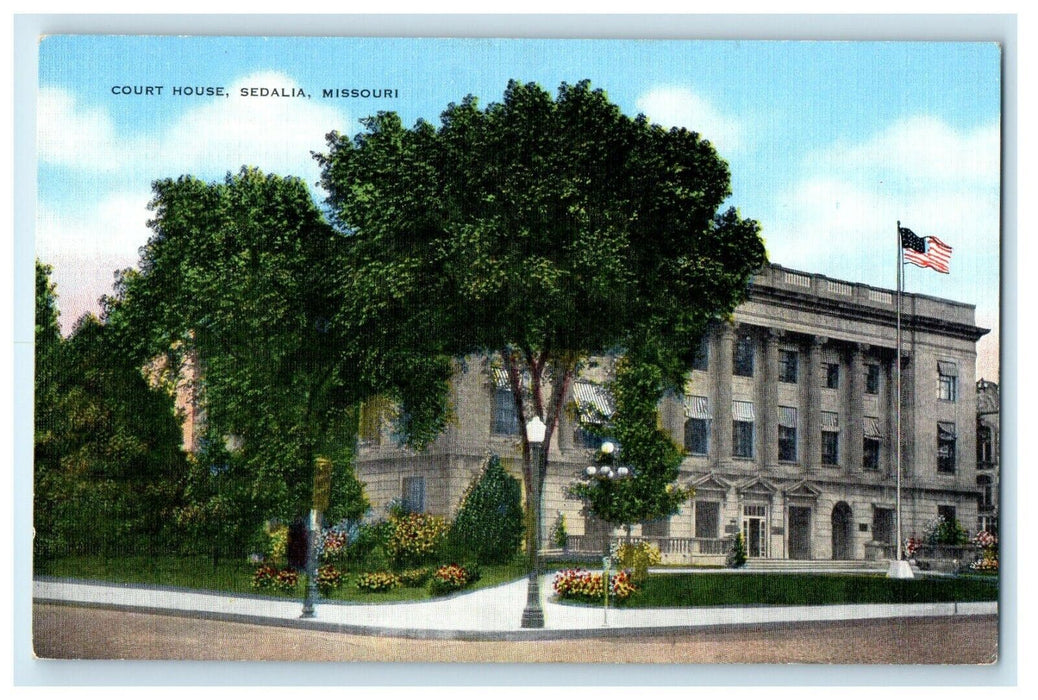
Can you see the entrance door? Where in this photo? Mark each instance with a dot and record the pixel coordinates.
(841, 522)
(799, 532)
(754, 531)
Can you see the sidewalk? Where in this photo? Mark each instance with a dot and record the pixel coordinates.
(489, 613)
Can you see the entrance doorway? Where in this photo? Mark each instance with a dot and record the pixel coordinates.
(841, 522)
(754, 530)
(799, 532)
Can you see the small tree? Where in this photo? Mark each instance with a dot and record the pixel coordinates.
(737, 555)
(489, 525)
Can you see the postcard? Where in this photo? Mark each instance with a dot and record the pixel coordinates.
(494, 350)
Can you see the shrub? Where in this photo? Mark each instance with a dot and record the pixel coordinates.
(737, 554)
(559, 536)
(638, 557)
(329, 578)
(277, 544)
(369, 546)
(449, 578)
(586, 587)
(943, 531)
(377, 581)
(489, 524)
(415, 578)
(415, 538)
(334, 545)
(268, 576)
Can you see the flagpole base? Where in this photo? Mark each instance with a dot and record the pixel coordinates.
(899, 568)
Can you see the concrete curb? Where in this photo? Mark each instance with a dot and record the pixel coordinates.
(575, 622)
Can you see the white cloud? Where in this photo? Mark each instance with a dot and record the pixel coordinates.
(275, 134)
(839, 213)
(680, 106)
(71, 134)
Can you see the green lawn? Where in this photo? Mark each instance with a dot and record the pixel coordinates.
(690, 590)
(233, 576)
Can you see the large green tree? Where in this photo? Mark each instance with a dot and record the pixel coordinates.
(109, 471)
(241, 283)
(544, 230)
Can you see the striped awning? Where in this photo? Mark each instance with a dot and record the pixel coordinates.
(594, 404)
(830, 420)
(501, 378)
(872, 429)
(697, 407)
(787, 416)
(743, 411)
(948, 369)
(946, 431)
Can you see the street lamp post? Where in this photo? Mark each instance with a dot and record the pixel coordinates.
(533, 615)
(605, 472)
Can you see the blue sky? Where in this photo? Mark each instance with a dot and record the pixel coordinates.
(829, 143)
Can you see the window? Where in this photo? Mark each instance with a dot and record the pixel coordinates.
(987, 492)
(946, 448)
(947, 381)
(870, 447)
(702, 359)
(742, 357)
(870, 455)
(708, 519)
(787, 434)
(697, 436)
(883, 525)
(830, 438)
(946, 513)
(697, 425)
(583, 437)
(832, 375)
(872, 379)
(742, 429)
(984, 450)
(506, 420)
(788, 366)
(413, 494)
(656, 528)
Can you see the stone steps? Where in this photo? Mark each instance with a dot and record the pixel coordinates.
(815, 565)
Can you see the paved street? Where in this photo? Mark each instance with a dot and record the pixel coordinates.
(62, 631)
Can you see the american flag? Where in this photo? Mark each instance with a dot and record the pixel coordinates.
(930, 251)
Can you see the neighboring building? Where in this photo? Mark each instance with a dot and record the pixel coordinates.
(788, 422)
(988, 445)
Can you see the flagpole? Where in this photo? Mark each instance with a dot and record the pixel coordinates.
(897, 447)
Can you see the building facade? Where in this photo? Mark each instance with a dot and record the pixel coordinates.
(988, 462)
(788, 422)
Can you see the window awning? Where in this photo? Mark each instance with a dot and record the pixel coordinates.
(594, 404)
(787, 417)
(872, 429)
(946, 431)
(697, 407)
(501, 378)
(830, 420)
(948, 369)
(743, 411)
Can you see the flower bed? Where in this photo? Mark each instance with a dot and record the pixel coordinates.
(378, 581)
(450, 578)
(586, 587)
(277, 579)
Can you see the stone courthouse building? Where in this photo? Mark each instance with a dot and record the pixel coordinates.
(787, 423)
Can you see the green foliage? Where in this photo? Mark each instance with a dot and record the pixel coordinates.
(650, 492)
(489, 524)
(948, 532)
(238, 292)
(415, 578)
(638, 557)
(559, 536)
(504, 229)
(108, 469)
(737, 555)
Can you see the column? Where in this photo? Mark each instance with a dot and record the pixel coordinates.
(813, 410)
(722, 419)
(856, 409)
(768, 417)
